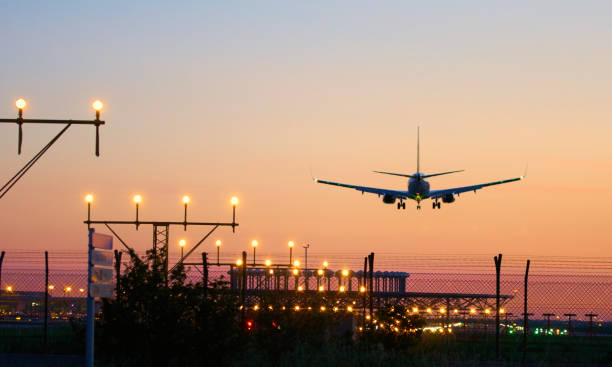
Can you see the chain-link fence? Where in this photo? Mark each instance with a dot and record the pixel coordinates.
(435, 285)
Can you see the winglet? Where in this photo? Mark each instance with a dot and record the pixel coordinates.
(525, 174)
(311, 176)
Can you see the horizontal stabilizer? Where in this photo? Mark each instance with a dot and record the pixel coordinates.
(394, 174)
(443, 173)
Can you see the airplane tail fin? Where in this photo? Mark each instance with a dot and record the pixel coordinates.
(418, 150)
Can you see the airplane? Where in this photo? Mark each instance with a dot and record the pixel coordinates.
(418, 187)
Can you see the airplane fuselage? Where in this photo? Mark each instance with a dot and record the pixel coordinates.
(418, 188)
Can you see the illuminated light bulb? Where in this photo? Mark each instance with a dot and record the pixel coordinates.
(321, 289)
(137, 199)
(291, 244)
(51, 287)
(442, 310)
(182, 243)
(349, 309)
(97, 105)
(268, 262)
(254, 243)
(415, 309)
(325, 264)
(271, 271)
(323, 308)
(186, 199)
(297, 308)
(472, 310)
(362, 289)
(300, 288)
(239, 262)
(218, 243)
(68, 289)
(20, 103)
(345, 272)
(295, 272)
(296, 263)
(428, 310)
(234, 201)
(89, 198)
(9, 288)
(319, 272)
(342, 288)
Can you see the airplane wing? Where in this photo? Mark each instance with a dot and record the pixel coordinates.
(435, 194)
(372, 190)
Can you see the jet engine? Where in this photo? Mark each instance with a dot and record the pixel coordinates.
(448, 198)
(388, 199)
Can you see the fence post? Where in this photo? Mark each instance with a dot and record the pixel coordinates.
(46, 300)
(1, 259)
(118, 273)
(371, 261)
(497, 260)
(525, 314)
(365, 284)
(205, 273)
(244, 286)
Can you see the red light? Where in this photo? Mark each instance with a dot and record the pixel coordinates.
(249, 325)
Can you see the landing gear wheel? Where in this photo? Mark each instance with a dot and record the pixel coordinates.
(433, 205)
(438, 204)
(419, 206)
(404, 206)
(399, 205)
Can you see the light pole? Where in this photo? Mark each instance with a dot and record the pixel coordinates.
(254, 244)
(137, 201)
(89, 199)
(306, 256)
(234, 202)
(21, 103)
(218, 244)
(182, 244)
(291, 244)
(185, 201)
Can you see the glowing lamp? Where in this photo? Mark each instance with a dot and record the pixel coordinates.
(320, 272)
(186, 199)
(182, 243)
(89, 198)
(218, 243)
(268, 262)
(295, 272)
(296, 263)
(325, 264)
(291, 243)
(321, 289)
(345, 272)
(20, 103)
(342, 288)
(254, 243)
(234, 201)
(362, 289)
(239, 262)
(97, 105)
(137, 199)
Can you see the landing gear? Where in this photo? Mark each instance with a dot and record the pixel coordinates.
(419, 206)
(435, 205)
(401, 205)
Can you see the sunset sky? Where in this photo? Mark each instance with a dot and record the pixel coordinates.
(215, 99)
